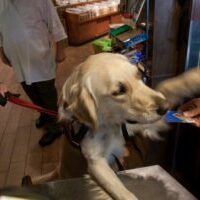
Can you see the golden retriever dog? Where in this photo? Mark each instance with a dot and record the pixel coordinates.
(103, 92)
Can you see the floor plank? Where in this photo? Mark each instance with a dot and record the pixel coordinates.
(3, 179)
(48, 167)
(8, 141)
(15, 174)
(51, 153)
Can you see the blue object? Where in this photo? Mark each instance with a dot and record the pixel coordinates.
(135, 40)
(137, 57)
(171, 117)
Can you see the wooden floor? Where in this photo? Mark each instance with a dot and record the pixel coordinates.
(20, 153)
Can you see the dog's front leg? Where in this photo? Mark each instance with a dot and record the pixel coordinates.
(94, 151)
(105, 176)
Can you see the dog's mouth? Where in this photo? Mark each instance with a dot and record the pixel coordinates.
(131, 121)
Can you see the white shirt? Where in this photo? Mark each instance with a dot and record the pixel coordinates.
(27, 28)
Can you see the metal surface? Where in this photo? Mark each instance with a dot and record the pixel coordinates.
(146, 183)
(165, 29)
(193, 51)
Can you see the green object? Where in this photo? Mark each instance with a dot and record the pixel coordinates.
(102, 45)
(119, 30)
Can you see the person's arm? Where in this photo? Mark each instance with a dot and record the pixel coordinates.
(191, 109)
(3, 57)
(3, 89)
(56, 29)
(60, 52)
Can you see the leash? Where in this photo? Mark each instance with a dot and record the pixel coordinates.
(14, 98)
(74, 137)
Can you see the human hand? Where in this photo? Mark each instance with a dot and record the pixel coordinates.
(191, 109)
(60, 58)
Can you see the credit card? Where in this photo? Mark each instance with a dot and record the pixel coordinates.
(176, 117)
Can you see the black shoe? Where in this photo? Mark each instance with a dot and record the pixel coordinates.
(26, 181)
(52, 132)
(41, 121)
(48, 138)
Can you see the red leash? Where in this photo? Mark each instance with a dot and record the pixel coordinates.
(21, 102)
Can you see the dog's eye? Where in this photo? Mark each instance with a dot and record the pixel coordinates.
(121, 90)
(65, 105)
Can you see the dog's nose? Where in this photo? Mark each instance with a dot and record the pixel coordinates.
(161, 110)
(162, 106)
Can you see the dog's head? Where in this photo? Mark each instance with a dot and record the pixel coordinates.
(107, 89)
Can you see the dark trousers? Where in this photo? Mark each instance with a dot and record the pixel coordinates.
(43, 94)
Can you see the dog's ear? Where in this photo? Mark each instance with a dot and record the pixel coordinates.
(63, 114)
(77, 100)
(84, 108)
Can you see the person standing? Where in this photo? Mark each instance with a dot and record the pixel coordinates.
(27, 31)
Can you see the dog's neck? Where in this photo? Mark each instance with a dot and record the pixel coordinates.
(108, 127)
(107, 121)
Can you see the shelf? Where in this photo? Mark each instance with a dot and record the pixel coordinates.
(100, 17)
(82, 28)
(81, 32)
(78, 4)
